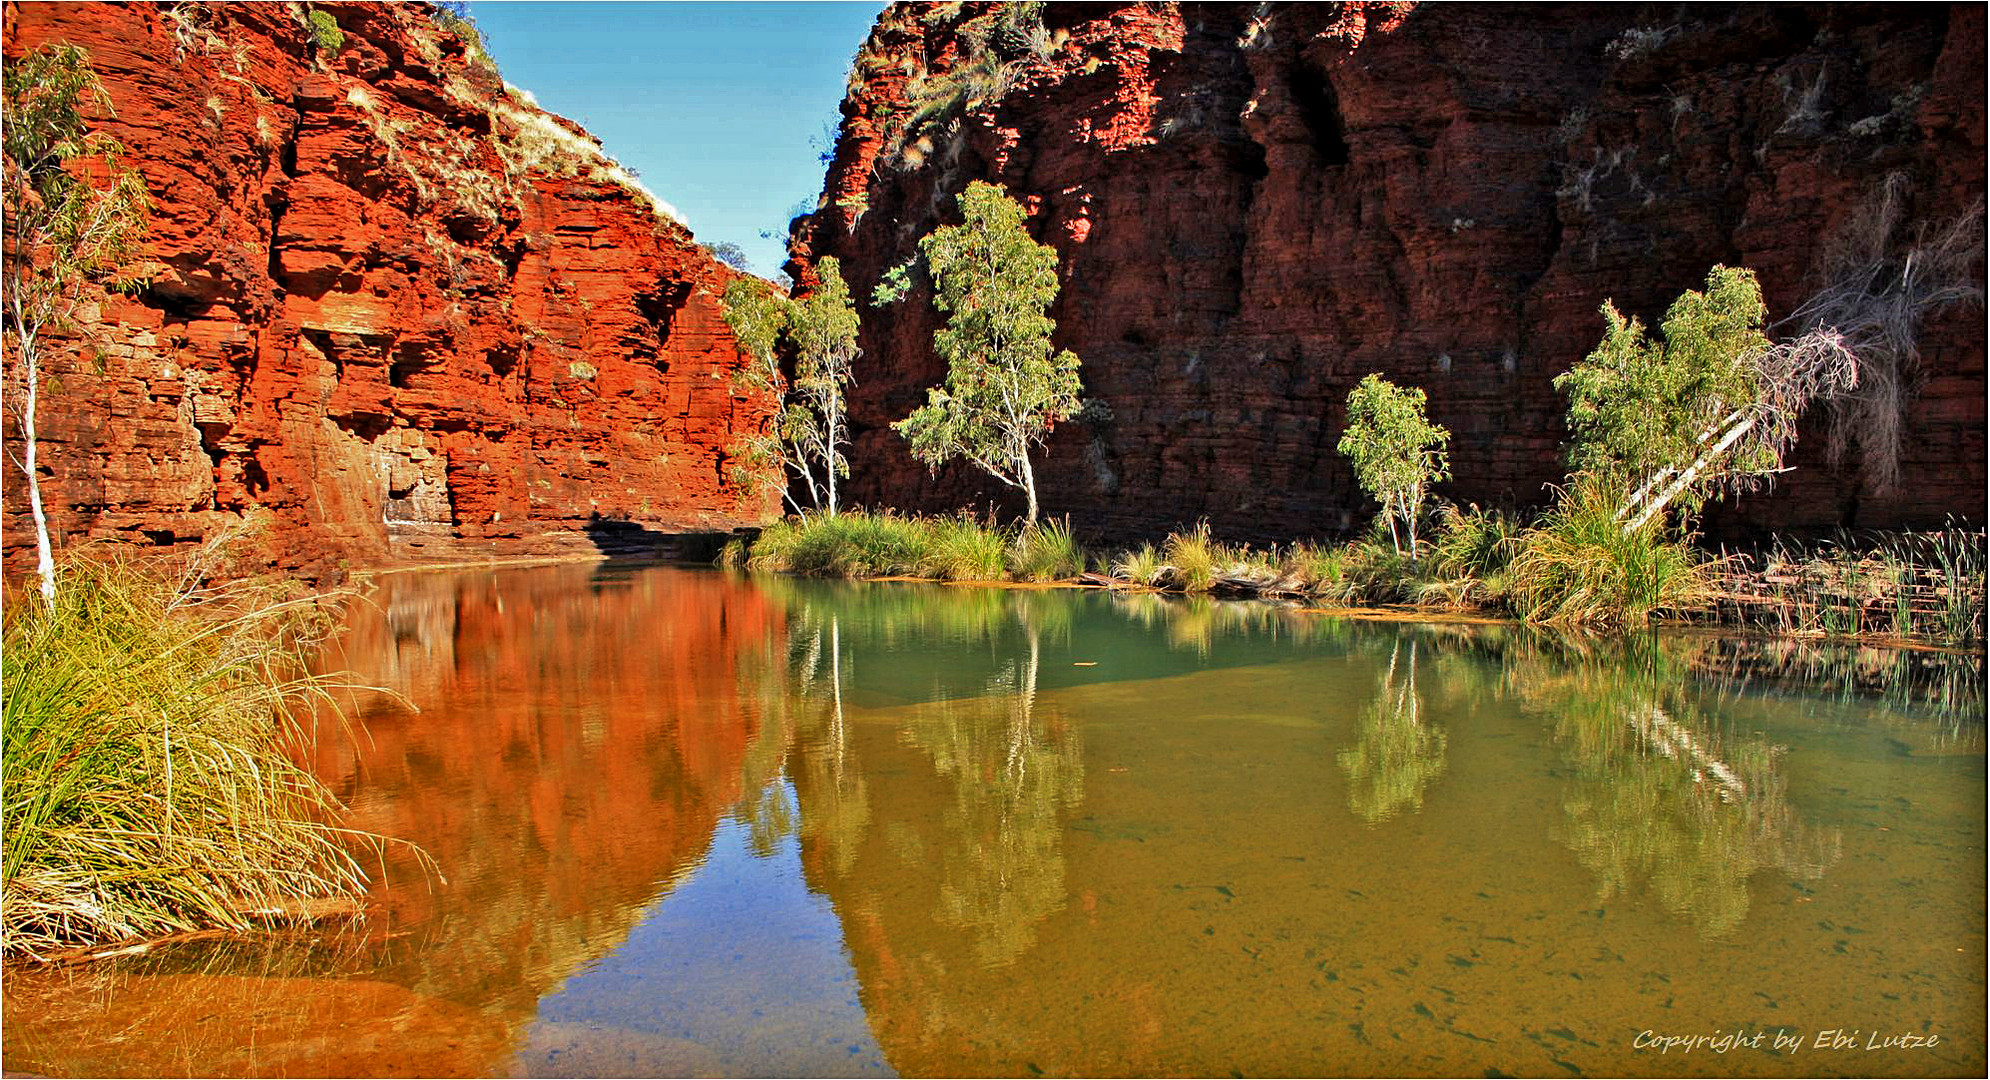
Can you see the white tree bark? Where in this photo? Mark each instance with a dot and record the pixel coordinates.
(1691, 474)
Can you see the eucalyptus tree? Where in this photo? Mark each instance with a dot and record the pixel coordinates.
(801, 352)
(823, 329)
(75, 213)
(757, 315)
(1397, 452)
(1714, 403)
(1006, 384)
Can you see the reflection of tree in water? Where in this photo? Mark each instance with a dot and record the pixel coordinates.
(806, 699)
(1664, 794)
(1012, 767)
(1396, 754)
(841, 802)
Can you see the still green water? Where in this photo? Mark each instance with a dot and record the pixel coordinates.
(682, 823)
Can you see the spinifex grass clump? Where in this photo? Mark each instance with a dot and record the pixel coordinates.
(151, 788)
(1191, 559)
(856, 543)
(963, 549)
(1046, 551)
(1581, 566)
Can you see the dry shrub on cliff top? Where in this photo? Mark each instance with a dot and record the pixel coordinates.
(152, 728)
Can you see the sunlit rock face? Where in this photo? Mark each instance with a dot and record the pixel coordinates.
(396, 304)
(1257, 205)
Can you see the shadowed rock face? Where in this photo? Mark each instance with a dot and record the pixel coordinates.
(1256, 206)
(402, 308)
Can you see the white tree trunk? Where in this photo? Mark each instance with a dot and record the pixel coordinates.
(24, 341)
(1029, 487)
(1686, 478)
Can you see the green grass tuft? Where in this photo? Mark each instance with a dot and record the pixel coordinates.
(858, 543)
(1190, 559)
(962, 549)
(1139, 566)
(1579, 567)
(152, 729)
(1046, 551)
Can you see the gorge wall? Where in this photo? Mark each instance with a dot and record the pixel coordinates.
(385, 297)
(1257, 204)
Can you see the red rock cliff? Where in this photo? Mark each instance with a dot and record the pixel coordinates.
(389, 299)
(1255, 205)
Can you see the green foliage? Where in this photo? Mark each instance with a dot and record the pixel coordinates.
(70, 225)
(455, 18)
(1376, 571)
(152, 730)
(847, 545)
(959, 548)
(822, 328)
(1141, 565)
(757, 315)
(1639, 407)
(1046, 551)
(893, 286)
(729, 253)
(860, 544)
(1006, 385)
(1397, 753)
(1469, 556)
(816, 336)
(1580, 566)
(67, 224)
(325, 32)
(963, 549)
(1319, 569)
(1397, 453)
(1925, 586)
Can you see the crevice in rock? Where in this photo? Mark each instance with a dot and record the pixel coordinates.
(1319, 107)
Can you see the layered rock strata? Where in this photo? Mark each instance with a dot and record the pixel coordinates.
(387, 299)
(1256, 204)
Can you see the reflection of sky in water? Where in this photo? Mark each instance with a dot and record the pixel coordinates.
(738, 970)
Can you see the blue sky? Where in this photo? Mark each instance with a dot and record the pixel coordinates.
(714, 105)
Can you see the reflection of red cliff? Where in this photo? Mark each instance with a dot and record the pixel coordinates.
(579, 737)
(386, 301)
(1256, 205)
(577, 743)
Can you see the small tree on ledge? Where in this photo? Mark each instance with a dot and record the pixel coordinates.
(1005, 384)
(69, 226)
